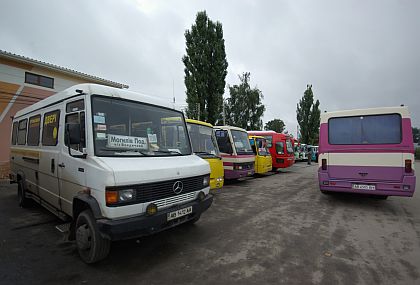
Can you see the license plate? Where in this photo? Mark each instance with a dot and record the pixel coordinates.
(363, 187)
(179, 213)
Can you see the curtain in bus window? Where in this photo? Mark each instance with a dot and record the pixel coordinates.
(373, 129)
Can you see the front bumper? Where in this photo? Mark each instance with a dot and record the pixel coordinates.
(147, 225)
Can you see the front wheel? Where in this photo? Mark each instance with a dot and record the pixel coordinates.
(92, 247)
(22, 200)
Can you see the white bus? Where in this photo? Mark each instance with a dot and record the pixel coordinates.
(106, 160)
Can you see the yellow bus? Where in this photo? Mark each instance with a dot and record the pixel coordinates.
(263, 163)
(204, 145)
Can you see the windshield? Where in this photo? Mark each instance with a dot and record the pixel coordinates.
(203, 140)
(280, 147)
(289, 146)
(240, 139)
(269, 140)
(262, 147)
(127, 128)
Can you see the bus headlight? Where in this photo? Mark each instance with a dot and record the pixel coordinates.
(125, 195)
(206, 180)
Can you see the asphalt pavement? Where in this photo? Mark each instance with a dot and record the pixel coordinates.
(275, 229)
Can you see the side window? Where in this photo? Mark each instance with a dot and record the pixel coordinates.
(22, 131)
(33, 130)
(14, 133)
(77, 118)
(50, 129)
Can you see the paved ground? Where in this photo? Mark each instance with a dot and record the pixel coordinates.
(277, 229)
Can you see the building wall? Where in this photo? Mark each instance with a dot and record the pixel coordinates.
(13, 88)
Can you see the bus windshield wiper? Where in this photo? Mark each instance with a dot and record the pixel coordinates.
(204, 152)
(124, 150)
(168, 152)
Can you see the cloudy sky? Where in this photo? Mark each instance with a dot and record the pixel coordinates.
(355, 53)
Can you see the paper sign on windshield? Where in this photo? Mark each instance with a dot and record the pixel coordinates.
(115, 141)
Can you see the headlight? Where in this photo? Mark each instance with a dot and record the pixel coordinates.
(206, 180)
(125, 195)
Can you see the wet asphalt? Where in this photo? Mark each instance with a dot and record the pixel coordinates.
(275, 229)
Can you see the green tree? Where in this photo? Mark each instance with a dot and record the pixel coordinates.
(416, 135)
(205, 69)
(276, 125)
(308, 116)
(244, 107)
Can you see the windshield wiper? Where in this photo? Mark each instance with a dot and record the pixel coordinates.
(124, 150)
(168, 152)
(204, 152)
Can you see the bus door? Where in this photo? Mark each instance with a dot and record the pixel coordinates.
(72, 170)
(48, 161)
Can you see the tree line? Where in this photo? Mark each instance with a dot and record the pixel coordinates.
(205, 70)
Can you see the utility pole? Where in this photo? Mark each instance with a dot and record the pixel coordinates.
(198, 111)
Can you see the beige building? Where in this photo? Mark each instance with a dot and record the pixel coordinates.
(24, 81)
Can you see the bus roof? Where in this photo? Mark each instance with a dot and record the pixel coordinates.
(262, 132)
(403, 110)
(230, 128)
(192, 121)
(90, 89)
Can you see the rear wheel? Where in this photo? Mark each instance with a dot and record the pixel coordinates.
(92, 247)
(22, 200)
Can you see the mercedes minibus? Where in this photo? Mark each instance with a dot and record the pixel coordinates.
(368, 151)
(107, 161)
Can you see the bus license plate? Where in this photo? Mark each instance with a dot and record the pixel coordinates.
(363, 187)
(179, 213)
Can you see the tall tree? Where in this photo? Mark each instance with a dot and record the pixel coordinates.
(416, 135)
(308, 116)
(205, 69)
(244, 107)
(276, 125)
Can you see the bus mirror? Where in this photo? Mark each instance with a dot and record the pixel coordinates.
(73, 134)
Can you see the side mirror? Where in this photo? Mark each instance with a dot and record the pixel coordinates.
(72, 135)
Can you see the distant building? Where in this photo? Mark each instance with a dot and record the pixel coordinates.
(24, 81)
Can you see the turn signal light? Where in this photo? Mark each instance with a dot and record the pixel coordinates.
(151, 209)
(111, 197)
(408, 167)
(324, 164)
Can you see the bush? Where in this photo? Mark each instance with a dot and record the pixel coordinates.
(417, 153)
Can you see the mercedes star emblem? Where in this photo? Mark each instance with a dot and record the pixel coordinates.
(178, 187)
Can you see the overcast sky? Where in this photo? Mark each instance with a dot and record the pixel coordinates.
(356, 54)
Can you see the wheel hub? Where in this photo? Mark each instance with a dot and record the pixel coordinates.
(83, 237)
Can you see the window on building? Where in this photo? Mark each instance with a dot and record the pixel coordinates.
(39, 80)
(50, 128)
(22, 131)
(33, 130)
(14, 133)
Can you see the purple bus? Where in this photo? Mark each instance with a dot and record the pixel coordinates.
(368, 151)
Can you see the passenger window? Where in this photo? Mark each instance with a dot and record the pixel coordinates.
(33, 130)
(75, 106)
(50, 129)
(77, 118)
(22, 132)
(14, 133)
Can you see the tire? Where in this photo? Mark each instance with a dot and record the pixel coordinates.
(92, 247)
(22, 200)
(274, 169)
(325, 192)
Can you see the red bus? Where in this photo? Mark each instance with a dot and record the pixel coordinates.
(280, 146)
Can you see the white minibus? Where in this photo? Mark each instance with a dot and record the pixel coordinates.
(105, 160)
